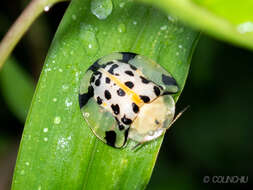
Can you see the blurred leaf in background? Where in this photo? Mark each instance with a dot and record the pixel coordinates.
(17, 88)
(29, 56)
(228, 20)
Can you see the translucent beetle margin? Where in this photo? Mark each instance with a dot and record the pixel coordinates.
(127, 96)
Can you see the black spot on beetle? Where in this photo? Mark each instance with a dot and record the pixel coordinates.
(92, 79)
(97, 82)
(126, 56)
(107, 80)
(99, 100)
(111, 70)
(110, 138)
(129, 84)
(84, 98)
(126, 121)
(133, 67)
(145, 99)
(130, 73)
(97, 73)
(94, 67)
(109, 63)
(157, 91)
(135, 108)
(121, 92)
(121, 127)
(144, 80)
(160, 87)
(115, 109)
(167, 80)
(107, 95)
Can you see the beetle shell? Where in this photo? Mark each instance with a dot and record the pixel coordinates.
(125, 95)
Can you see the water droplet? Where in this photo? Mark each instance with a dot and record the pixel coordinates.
(46, 8)
(74, 17)
(47, 69)
(63, 142)
(22, 172)
(171, 19)
(65, 87)
(134, 22)
(68, 102)
(54, 99)
(27, 163)
(245, 27)
(89, 40)
(101, 8)
(45, 130)
(45, 139)
(180, 46)
(57, 120)
(163, 27)
(122, 4)
(121, 28)
(60, 70)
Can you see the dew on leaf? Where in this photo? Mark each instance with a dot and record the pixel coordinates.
(121, 28)
(122, 4)
(73, 17)
(46, 8)
(68, 103)
(57, 120)
(164, 27)
(89, 40)
(101, 8)
(245, 27)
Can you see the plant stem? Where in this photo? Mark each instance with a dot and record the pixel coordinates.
(21, 25)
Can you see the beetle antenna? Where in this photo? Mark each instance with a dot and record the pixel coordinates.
(137, 145)
(178, 116)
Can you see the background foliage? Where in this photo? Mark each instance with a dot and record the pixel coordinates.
(213, 138)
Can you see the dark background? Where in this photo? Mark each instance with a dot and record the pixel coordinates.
(214, 137)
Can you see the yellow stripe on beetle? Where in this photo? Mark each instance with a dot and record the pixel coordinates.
(135, 98)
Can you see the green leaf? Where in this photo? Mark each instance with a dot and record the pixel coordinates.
(58, 150)
(17, 88)
(229, 20)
